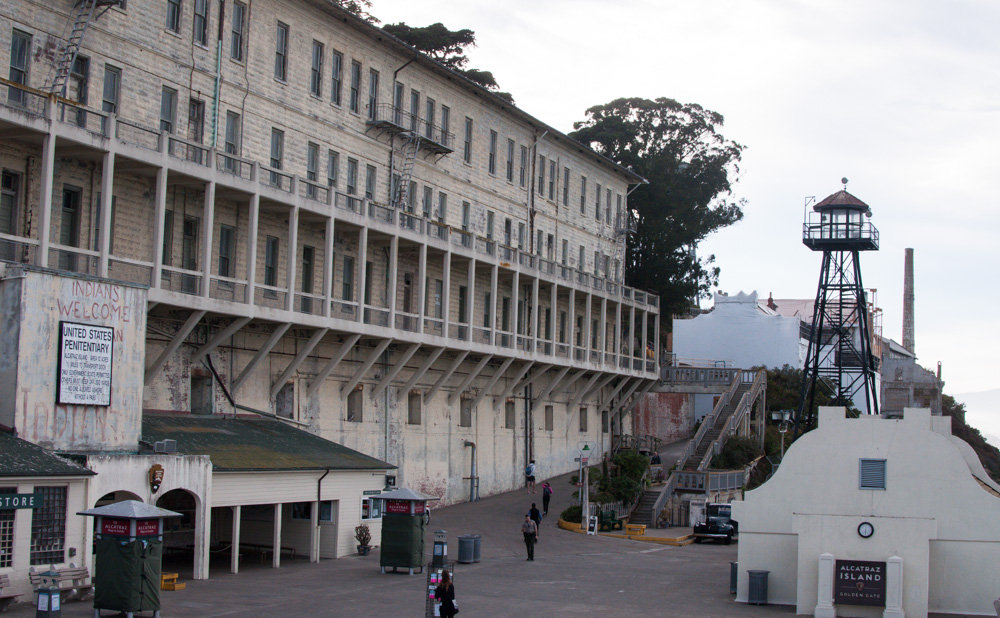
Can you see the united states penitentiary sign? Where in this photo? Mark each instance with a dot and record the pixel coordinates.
(859, 582)
(85, 353)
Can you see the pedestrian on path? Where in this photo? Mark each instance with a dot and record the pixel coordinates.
(445, 593)
(530, 531)
(529, 476)
(536, 516)
(546, 496)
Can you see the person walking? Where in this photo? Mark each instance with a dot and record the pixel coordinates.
(530, 531)
(529, 476)
(445, 594)
(546, 496)
(536, 516)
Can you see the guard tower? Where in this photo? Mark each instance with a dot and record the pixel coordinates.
(840, 356)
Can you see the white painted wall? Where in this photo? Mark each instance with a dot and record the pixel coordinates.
(933, 514)
(737, 330)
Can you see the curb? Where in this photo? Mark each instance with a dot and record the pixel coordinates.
(680, 541)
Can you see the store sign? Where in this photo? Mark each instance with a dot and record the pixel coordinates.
(147, 527)
(402, 507)
(859, 582)
(85, 353)
(20, 501)
(116, 527)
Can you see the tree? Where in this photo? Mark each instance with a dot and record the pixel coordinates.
(447, 47)
(361, 8)
(691, 168)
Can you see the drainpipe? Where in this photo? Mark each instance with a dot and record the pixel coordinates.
(319, 488)
(472, 474)
(531, 191)
(218, 76)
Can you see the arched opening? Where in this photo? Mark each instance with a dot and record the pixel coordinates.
(179, 533)
(116, 496)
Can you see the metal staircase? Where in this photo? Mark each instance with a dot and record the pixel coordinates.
(410, 149)
(715, 431)
(84, 15)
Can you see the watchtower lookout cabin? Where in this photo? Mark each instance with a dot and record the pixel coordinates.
(840, 357)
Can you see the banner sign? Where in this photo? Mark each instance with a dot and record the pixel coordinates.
(147, 527)
(116, 527)
(859, 582)
(20, 501)
(85, 353)
(402, 507)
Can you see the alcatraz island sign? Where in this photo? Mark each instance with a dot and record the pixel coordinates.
(859, 582)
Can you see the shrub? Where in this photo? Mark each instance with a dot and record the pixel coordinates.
(363, 534)
(573, 514)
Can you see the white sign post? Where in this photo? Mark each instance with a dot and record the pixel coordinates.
(85, 353)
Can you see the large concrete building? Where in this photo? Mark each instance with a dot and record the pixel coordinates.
(333, 229)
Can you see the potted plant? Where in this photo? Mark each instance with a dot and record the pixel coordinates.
(364, 536)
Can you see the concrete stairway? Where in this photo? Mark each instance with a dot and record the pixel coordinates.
(643, 511)
(713, 433)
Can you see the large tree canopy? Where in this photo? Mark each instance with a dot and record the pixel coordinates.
(447, 47)
(361, 8)
(691, 168)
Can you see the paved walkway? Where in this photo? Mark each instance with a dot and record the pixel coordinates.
(572, 575)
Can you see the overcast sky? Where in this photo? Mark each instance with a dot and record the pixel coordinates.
(900, 96)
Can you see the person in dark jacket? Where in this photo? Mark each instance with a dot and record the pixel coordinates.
(445, 593)
(536, 516)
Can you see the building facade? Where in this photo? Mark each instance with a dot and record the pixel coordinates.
(333, 229)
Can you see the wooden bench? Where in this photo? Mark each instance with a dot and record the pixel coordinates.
(265, 551)
(168, 581)
(636, 529)
(73, 580)
(6, 598)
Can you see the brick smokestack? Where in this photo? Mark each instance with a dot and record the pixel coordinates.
(908, 301)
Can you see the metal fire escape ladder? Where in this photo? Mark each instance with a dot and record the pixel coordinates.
(84, 15)
(410, 149)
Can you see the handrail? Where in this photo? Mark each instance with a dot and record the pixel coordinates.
(707, 421)
(732, 424)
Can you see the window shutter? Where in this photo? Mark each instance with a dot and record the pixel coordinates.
(872, 474)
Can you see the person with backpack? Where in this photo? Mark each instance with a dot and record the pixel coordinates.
(529, 476)
(546, 496)
(536, 516)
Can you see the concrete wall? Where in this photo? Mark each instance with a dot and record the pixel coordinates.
(40, 300)
(668, 416)
(930, 514)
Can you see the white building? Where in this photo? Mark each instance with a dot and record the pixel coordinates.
(900, 495)
(310, 219)
(742, 332)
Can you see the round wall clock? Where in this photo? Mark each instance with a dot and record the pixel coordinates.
(865, 529)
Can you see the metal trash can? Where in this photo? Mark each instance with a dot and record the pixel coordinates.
(734, 575)
(757, 594)
(477, 547)
(466, 549)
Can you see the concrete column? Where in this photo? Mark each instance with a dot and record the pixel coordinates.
(604, 328)
(234, 559)
(824, 590)
(616, 346)
(276, 556)
(393, 275)
(202, 539)
(571, 318)
(554, 313)
(293, 256)
(514, 289)
(470, 300)
(46, 187)
(656, 340)
(208, 217)
(314, 532)
(643, 341)
(159, 214)
(329, 272)
(446, 295)
(362, 275)
(536, 315)
(631, 336)
(107, 187)
(586, 327)
(422, 287)
(252, 247)
(893, 588)
(494, 299)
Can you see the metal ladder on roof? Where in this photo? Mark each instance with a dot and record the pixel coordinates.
(84, 15)
(410, 149)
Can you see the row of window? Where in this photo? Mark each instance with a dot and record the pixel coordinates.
(371, 508)
(48, 528)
